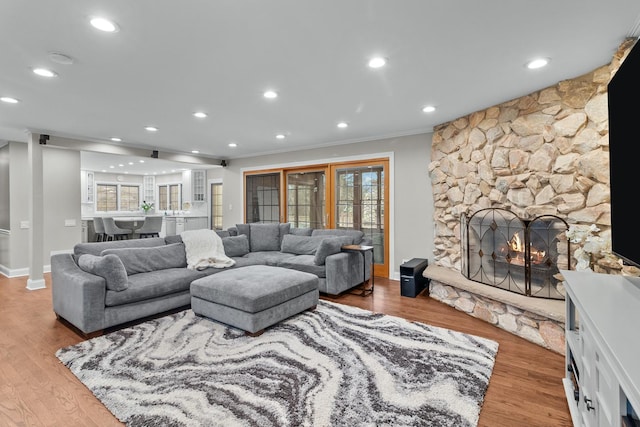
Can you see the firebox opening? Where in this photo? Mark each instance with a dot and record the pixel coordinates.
(523, 256)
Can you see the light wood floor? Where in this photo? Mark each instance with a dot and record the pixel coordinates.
(37, 390)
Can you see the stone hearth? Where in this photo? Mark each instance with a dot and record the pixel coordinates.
(537, 320)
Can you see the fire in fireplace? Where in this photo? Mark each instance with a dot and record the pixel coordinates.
(523, 256)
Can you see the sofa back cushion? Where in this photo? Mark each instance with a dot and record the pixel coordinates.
(300, 245)
(142, 260)
(236, 246)
(96, 248)
(355, 235)
(109, 267)
(306, 231)
(264, 237)
(329, 246)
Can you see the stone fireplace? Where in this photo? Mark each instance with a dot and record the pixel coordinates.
(523, 256)
(545, 153)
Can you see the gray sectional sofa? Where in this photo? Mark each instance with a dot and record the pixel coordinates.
(105, 284)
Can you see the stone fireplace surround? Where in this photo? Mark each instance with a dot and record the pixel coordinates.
(545, 153)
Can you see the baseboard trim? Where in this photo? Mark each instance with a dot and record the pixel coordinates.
(20, 272)
(34, 285)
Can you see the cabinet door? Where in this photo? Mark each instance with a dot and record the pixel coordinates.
(149, 189)
(588, 399)
(198, 178)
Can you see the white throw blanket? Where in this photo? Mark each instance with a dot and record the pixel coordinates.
(204, 249)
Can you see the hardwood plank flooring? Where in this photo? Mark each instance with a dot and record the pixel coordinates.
(37, 390)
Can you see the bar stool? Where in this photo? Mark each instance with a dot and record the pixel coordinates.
(150, 228)
(98, 226)
(114, 232)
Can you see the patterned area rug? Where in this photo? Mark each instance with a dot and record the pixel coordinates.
(335, 366)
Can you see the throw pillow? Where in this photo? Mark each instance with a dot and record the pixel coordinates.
(143, 260)
(300, 245)
(264, 237)
(283, 228)
(109, 267)
(235, 246)
(329, 246)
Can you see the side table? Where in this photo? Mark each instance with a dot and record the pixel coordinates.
(363, 249)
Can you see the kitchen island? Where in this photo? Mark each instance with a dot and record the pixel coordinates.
(171, 224)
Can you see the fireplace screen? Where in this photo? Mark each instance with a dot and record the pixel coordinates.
(523, 256)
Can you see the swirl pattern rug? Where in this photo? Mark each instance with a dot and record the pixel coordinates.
(334, 366)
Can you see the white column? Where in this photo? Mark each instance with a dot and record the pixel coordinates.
(36, 213)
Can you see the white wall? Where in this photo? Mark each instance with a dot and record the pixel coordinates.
(61, 193)
(411, 213)
(4, 188)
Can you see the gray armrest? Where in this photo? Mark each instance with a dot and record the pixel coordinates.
(78, 296)
(344, 271)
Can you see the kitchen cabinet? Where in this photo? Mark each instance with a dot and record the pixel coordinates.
(87, 182)
(149, 188)
(174, 225)
(199, 185)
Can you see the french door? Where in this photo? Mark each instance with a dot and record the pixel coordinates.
(351, 196)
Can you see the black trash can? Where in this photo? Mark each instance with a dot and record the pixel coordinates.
(411, 280)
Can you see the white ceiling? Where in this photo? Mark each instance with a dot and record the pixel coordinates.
(172, 58)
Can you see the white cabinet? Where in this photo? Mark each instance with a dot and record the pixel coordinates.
(602, 375)
(87, 183)
(195, 223)
(149, 188)
(199, 185)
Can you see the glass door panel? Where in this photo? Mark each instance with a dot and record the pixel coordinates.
(360, 202)
(306, 200)
(262, 198)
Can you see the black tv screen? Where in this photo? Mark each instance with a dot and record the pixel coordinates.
(624, 157)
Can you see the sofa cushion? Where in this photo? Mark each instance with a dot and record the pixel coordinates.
(264, 237)
(300, 231)
(300, 245)
(267, 257)
(283, 230)
(154, 284)
(304, 263)
(109, 267)
(244, 229)
(330, 246)
(142, 260)
(236, 246)
(356, 235)
(96, 248)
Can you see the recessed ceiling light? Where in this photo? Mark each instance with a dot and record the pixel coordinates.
(343, 125)
(270, 94)
(103, 170)
(111, 167)
(428, 109)
(377, 62)
(200, 114)
(130, 163)
(141, 161)
(104, 24)
(151, 128)
(116, 139)
(233, 145)
(126, 173)
(173, 170)
(9, 100)
(43, 72)
(121, 165)
(195, 151)
(537, 63)
(164, 171)
(280, 136)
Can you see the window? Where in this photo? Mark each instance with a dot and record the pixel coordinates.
(117, 197)
(170, 197)
(129, 197)
(216, 206)
(107, 195)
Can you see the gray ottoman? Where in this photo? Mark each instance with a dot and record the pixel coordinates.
(254, 297)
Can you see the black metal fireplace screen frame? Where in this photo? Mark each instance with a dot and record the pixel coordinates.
(523, 256)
